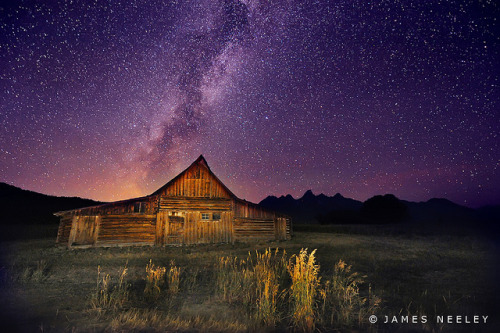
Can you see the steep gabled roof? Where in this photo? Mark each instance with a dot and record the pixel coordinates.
(201, 162)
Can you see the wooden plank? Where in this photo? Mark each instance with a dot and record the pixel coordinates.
(184, 203)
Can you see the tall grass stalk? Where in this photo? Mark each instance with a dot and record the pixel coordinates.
(254, 282)
(342, 306)
(303, 271)
(108, 297)
(268, 272)
(229, 277)
(173, 278)
(155, 280)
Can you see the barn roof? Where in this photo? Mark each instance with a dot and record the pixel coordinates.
(199, 161)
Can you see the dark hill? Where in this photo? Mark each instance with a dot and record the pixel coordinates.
(20, 206)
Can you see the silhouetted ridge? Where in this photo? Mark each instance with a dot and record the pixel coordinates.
(20, 206)
(307, 208)
(436, 213)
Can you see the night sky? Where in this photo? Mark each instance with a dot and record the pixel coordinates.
(111, 101)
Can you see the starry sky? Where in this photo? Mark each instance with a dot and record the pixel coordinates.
(111, 99)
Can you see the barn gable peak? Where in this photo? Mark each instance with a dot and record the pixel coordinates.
(201, 160)
(193, 172)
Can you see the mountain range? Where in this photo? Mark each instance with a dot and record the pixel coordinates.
(312, 209)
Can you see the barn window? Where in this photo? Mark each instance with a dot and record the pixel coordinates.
(216, 216)
(205, 216)
(139, 207)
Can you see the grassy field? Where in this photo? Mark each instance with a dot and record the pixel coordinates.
(223, 288)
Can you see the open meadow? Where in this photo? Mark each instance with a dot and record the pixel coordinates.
(255, 287)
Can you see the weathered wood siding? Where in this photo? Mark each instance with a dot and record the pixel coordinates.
(253, 222)
(280, 228)
(197, 181)
(64, 229)
(188, 227)
(127, 229)
(84, 230)
(248, 229)
(186, 203)
(198, 231)
(247, 209)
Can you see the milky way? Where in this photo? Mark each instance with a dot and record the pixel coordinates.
(110, 101)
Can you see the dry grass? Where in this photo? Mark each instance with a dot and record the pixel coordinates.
(255, 282)
(155, 280)
(107, 296)
(305, 282)
(153, 320)
(342, 306)
(173, 278)
(260, 283)
(34, 273)
(219, 290)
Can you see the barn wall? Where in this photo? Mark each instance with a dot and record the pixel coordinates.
(197, 181)
(180, 220)
(245, 209)
(127, 229)
(253, 222)
(198, 231)
(64, 229)
(84, 230)
(248, 229)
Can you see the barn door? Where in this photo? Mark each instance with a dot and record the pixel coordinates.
(174, 228)
(83, 230)
(161, 222)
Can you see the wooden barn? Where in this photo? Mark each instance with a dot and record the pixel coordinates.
(193, 208)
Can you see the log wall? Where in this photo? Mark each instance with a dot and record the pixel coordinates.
(248, 229)
(127, 229)
(253, 222)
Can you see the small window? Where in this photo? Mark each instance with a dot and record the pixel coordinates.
(139, 207)
(205, 216)
(216, 216)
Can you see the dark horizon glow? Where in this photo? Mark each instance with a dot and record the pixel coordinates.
(111, 101)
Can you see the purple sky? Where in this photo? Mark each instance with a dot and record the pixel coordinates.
(110, 101)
